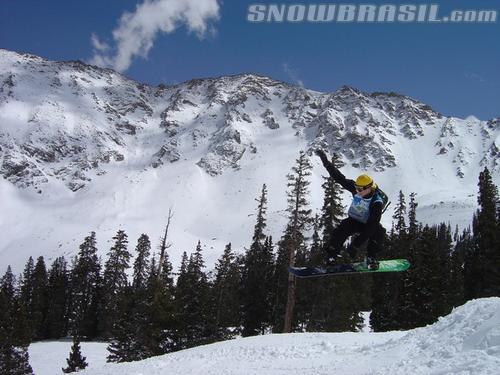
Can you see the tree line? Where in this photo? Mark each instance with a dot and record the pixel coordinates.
(159, 310)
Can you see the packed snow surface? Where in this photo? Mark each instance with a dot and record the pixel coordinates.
(465, 342)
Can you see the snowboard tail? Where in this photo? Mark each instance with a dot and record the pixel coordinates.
(390, 265)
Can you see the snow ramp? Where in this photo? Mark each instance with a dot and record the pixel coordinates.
(465, 342)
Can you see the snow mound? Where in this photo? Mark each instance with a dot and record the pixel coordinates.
(465, 342)
(473, 326)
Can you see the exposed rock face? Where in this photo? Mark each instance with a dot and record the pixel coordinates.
(70, 121)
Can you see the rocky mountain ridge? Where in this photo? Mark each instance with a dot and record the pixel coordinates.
(70, 121)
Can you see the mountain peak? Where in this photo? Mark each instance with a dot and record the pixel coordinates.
(222, 115)
(349, 89)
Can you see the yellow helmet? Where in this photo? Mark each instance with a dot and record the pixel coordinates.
(364, 180)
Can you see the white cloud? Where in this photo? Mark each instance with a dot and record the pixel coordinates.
(98, 44)
(136, 32)
(292, 73)
(474, 77)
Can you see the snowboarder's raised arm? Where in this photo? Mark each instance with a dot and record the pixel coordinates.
(337, 176)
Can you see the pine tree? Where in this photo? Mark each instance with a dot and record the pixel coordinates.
(205, 324)
(161, 333)
(40, 304)
(184, 265)
(412, 218)
(280, 282)
(482, 259)
(429, 295)
(20, 324)
(76, 361)
(182, 293)
(6, 308)
(193, 299)
(164, 244)
(14, 360)
(85, 290)
(487, 238)
(26, 293)
(430, 274)
(257, 271)
(407, 297)
(115, 277)
(424, 292)
(7, 287)
(463, 244)
(399, 215)
(14, 332)
(58, 299)
(473, 260)
(443, 290)
(125, 344)
(130, 332)
(166, 273)
(114, 280)
(299, 220)
(260, 226)
(225, 293)
(141, 263)
(256, 293)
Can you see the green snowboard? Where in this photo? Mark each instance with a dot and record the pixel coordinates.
(390, 265)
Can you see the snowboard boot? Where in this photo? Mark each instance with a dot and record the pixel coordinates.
(371, 263)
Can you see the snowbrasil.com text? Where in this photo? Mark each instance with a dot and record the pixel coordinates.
(365, 13)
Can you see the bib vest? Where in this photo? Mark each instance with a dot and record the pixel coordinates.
(360, 207)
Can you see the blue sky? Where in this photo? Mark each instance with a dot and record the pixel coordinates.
(455, 68)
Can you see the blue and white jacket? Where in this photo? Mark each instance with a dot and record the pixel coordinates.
(367, 211)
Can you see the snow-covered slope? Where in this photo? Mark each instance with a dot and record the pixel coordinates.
(465, 342)
(84, 148)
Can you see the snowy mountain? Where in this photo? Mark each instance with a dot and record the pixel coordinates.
(84, 148)
(465, 342)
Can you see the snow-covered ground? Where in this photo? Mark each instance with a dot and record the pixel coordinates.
(465, 342)
(49, 357)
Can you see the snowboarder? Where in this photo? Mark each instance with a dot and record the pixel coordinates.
(363, 217)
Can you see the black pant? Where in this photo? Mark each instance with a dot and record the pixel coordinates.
(348, 227)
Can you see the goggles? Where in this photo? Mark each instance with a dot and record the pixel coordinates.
(362, 188)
